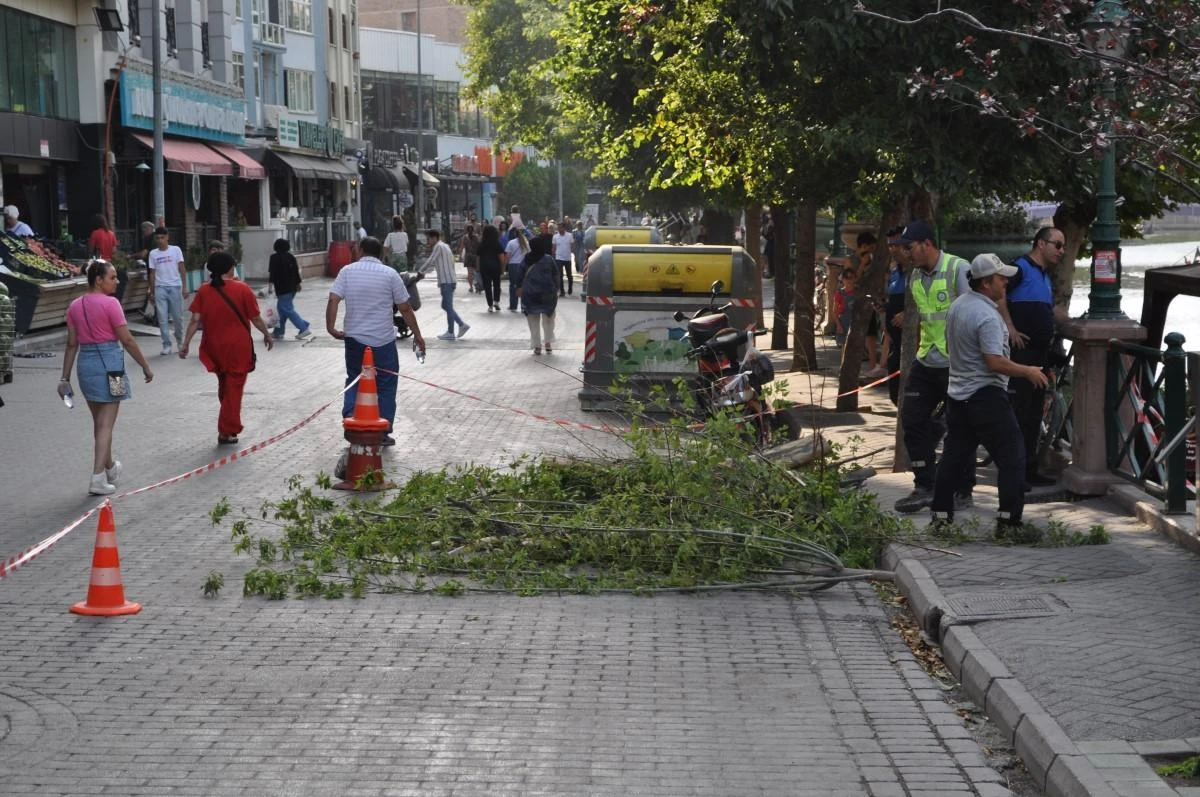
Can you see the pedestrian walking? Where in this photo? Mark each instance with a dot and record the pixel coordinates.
(102, 243)
(490, 254)
(168, 286)
(441, 259)
(936, 281)
(284, 273)
(539, 296)
(562, 243)
(515, 253)
(469, 252)
(1028, 312)
(395, 245)
(977, 406)
(370, 289)
(97, 339)
(226, 308)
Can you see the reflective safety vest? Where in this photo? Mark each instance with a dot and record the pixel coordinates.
(934, 303)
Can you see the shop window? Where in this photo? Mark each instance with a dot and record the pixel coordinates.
(298, 90)
(299, 15)
(446, 107)
(38, 66)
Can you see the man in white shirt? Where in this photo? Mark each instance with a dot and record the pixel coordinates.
(168, 286)
(562, 242)
(441, 260)
(371, 289)
(13, 224)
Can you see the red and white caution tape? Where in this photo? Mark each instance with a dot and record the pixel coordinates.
(880, 381)
(12, 563)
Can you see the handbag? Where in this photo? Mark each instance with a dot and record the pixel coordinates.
(118, 382)
(232, 306)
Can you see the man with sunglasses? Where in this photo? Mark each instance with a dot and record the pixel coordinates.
(1029, 315)
(937, 279)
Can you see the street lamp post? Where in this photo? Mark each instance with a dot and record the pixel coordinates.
(1104, 300)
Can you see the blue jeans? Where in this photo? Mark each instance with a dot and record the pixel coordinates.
(168, 302)
(452, 317)
(386, 357)
(287, 312)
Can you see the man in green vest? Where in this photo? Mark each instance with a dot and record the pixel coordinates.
(937, 279)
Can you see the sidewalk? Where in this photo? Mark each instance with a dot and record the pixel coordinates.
(1087, 657)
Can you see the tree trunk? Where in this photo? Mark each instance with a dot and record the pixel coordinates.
(804, 351)
(752, 242)
(1075, 221)
(783, 278)
(872, 282)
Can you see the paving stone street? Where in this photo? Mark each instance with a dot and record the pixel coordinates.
(732, 694)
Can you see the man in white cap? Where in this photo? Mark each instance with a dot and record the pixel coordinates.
(13, 224)
(977, 406)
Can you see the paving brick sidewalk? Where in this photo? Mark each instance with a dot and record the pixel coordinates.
(1105, 639)
(391, 695)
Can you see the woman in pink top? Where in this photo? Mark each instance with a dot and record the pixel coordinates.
(96, 331)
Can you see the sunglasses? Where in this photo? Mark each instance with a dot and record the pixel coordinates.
(1055, 244)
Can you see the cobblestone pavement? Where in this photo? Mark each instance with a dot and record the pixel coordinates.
(477, 695)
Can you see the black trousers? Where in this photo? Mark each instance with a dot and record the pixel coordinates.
(1029, 402)
(563, 269)
(985, 418)
(924, 391)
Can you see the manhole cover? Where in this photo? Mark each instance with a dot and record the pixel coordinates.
(997, 606)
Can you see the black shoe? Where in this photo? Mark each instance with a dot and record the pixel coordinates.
(915, 501)
(388, 440)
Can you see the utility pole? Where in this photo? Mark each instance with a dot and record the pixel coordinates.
(160, 202)
(420, 131)
(562, 214)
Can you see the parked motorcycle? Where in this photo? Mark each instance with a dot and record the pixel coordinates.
(732, 372)
(411, 278)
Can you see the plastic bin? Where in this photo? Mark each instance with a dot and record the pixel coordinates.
(339, 257)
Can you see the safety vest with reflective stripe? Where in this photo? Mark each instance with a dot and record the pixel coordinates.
(934, 303)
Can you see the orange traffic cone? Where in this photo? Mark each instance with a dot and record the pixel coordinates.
(106, 593)
(364, 431)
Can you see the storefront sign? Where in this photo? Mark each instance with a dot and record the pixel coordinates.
(188, 111)
(325, 140)
(385, 158)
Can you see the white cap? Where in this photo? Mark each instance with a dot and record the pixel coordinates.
(987, 264)
(12, 212)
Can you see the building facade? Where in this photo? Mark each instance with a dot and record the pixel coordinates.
(444, 20)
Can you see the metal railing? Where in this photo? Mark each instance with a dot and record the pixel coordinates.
(1148, 419)
(343, 231)
(307, 237)
(271, 33)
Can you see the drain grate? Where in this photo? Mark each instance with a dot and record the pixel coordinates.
(997, 606)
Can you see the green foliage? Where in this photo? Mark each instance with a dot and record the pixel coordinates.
(685, 510)
(213, 584)
(983, 219)
(535, 189)
(1189, 768)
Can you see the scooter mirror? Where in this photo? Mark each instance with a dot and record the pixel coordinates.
(717, 287)
(679, 315)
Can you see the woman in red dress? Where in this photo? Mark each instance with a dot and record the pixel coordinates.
(226, 308)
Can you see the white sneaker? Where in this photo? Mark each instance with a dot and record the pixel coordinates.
(166, 350)
(878, 372)
(100, 486)
(113, 473)
(463, 329)
(305, 336)
(447, 336)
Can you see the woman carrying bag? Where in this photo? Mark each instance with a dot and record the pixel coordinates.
(96, 333)
(539, 295)
(226, 308)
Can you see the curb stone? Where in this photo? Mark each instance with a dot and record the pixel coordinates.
(1051, 757)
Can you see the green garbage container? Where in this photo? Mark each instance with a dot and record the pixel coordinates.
(630, 331)
(8, 333)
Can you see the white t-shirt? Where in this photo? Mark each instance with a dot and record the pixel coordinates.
(165, 264)
(397, 242)
(514, 251)
(562, 245)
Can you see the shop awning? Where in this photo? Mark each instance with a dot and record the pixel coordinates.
(426, 177)
(314, 168)
(247, 167)
(188, 157)
(381, 178)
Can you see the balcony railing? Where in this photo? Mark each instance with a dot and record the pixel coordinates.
(307, 237)
(271, 33)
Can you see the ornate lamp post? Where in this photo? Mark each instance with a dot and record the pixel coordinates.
(1107, 24)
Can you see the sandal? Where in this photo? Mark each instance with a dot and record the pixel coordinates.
(537, 352)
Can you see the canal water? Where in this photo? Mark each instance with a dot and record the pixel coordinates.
(1136, 257)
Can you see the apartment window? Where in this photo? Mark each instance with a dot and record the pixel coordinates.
(239, 69)
(133, 19)
(334, 96)
(332, 29)
(172, 42)
(408, 21)
(298, 90)
(299, 15)
(446, 107)
(345, 31)
(350, 115)
(37, 66)
(205, 50)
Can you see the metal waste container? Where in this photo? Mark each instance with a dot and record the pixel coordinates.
(595, 237)
(8, 333)
(629, 329)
